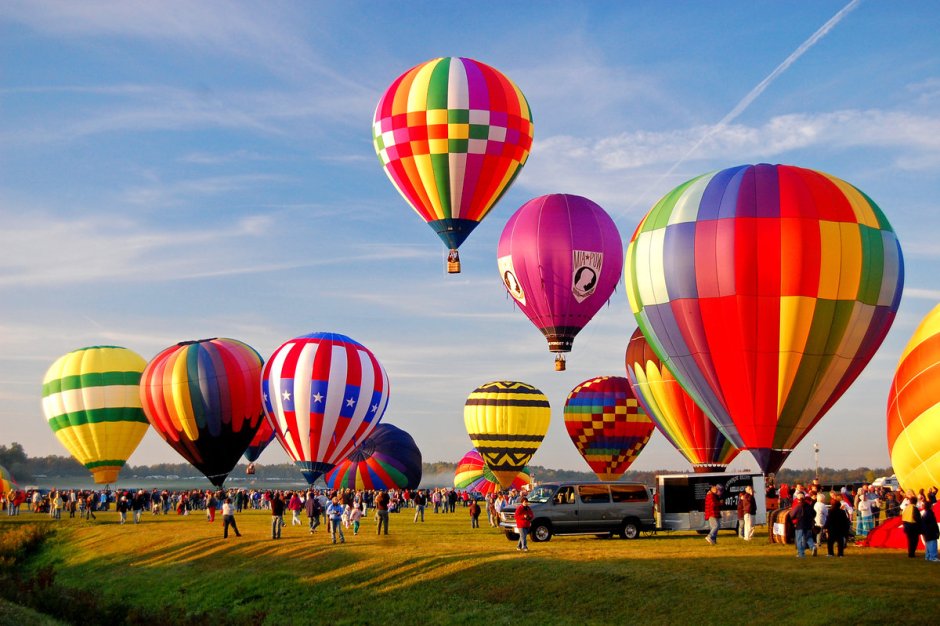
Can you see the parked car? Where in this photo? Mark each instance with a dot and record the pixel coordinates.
(602, 508)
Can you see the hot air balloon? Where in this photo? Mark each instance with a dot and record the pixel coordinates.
(560, 257)
(203, 398)
(452, 134)
(262, 438)
(324, 393)
(674, 412)
(766, 289)
(389, 458)
(91, 399)
(607, 425)
(473, 475)
(506, 421)
(914, 408)
(6, 481)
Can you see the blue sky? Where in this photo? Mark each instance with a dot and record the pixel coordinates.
(178, 170)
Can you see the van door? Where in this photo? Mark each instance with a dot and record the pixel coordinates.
(597, 513)
(564, 511)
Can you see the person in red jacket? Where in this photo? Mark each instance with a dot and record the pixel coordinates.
(712, 512)
(524, 517)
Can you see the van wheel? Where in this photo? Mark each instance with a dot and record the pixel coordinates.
(542, 532)
(629, 530)
(511, 536)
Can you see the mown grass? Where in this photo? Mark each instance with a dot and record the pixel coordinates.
(444, 572)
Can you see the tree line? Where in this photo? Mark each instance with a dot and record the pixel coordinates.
(27, 469)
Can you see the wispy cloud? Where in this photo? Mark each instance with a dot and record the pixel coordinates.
(922, 294)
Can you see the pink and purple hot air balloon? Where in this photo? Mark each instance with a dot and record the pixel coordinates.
(560, 257)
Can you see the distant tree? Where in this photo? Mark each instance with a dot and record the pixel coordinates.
(14, 458)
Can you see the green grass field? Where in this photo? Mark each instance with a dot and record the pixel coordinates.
(180, 570)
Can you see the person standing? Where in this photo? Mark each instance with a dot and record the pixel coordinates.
(712, 511)
(355, 515)
(930, 532)
(228, 518)
(742, 508)
(836, 525)
(312, 508)
(381, 512)
(277, 515)
(335, 513)
(474, 514)
(420, 501)
(524, 516)
(803, 519)
(910, 518)
(819, 523)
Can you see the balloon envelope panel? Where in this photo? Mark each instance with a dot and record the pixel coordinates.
(607, 425)
(452, 134)
(203, 398)
(914, 409)
(674, 412)
(766, 289)
(324, 393)
(560, 257)
(388, 459)
(6, 481)
(506, 421)
(260, 441)
(91, 400)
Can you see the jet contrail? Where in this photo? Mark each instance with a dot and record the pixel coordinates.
(752, 95)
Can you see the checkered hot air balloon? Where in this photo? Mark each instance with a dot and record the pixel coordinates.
(766, 289)
(914, 409)
(203, 398)
(473, 475)
(506, 421)
(91, 399)
(607, 425)
(674, 412)
(452, 134)
(324, 393)
(560, 257)
(389, 458)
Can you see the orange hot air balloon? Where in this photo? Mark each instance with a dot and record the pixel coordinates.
(914, 409)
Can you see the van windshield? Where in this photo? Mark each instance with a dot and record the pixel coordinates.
(540, 495)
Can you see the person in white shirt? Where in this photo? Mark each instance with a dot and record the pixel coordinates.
(228, 518)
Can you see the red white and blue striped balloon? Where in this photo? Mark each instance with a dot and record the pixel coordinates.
(324, 393)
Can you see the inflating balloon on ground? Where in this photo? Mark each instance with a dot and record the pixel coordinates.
(389, 458)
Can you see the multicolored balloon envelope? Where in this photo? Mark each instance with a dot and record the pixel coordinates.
(914, 409)
(607, 425)
(203, 398)
(766, 289)
(560, 257)
(473, 475)
(506, 421)
(91, 398)
(6, 481)
(674, 411)
(324, 393)
(262, 438)
(389, 458)
(452, 134)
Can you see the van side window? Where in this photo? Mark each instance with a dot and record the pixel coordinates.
(592, 494)
(565, 495)
(629, 493)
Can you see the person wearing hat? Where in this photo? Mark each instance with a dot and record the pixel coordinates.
(524, 516)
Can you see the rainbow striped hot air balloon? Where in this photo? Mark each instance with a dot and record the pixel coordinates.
(91, 398)
(452, 135)
(324, 393)
(674, 411)
(506, 421)
(914, 409)
(607, 425)
(766, 289)
(389, 458)
(473, 475)
(203, 398)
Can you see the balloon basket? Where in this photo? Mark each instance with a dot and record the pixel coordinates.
(453, 262)
(560, 363)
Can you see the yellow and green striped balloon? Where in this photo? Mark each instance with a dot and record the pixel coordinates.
(91, 398)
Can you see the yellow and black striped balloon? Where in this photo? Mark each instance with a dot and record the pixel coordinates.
(506, 421)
